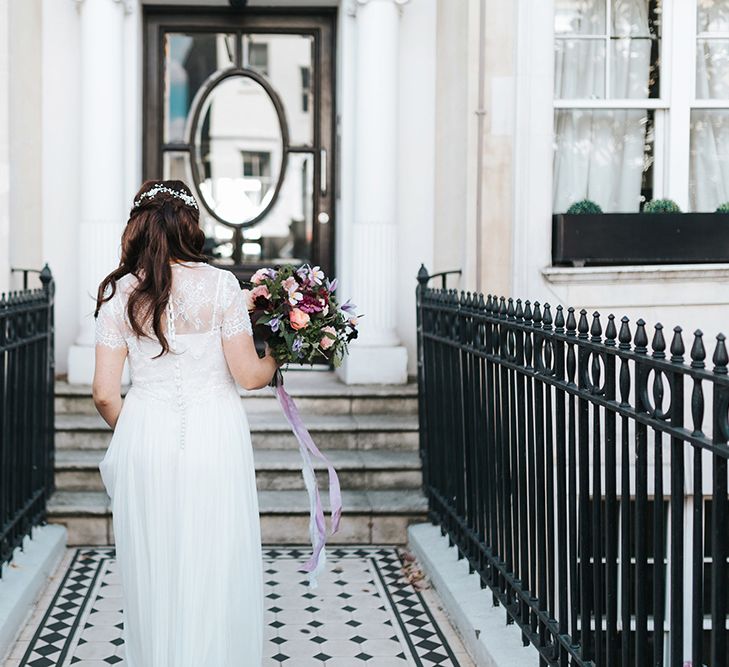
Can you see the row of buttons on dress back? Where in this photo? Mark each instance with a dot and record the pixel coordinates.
(178, 375)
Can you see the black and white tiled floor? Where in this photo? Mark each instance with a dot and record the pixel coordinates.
(366, 611)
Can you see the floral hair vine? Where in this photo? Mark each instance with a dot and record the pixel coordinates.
(188, 199)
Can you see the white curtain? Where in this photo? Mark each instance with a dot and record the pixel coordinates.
(600, 154)
(709, 159)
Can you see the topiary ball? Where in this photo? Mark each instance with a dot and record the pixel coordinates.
(723, 208)
(584, 207)
(661, 206)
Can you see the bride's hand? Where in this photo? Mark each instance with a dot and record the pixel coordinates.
(268, 353)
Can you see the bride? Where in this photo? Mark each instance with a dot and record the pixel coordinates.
(179, 467)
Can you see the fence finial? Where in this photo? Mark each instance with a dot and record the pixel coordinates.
(641, 337)
(611, 333)
(596, 328)
(537, 315)
(624, 337)
(659, 343)
(547, 318)
(559, 320)
(571, 322)
(582, 327)
(677, 346)
(720, 357)
(698, 352)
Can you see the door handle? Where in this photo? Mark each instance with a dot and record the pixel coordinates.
(323, 172)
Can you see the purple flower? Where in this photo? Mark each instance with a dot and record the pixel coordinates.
(348, 307)
(331, 284)
(296, 346)
(303, 272)
(275, 323)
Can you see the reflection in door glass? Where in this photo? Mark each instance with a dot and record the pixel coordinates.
(285, 60)
(189, 61)
(284, 235)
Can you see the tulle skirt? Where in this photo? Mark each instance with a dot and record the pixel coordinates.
(187, 533)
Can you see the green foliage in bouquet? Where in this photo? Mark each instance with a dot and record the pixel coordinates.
(661, 206)
(585, 206)
(297, 313)
(723, 208)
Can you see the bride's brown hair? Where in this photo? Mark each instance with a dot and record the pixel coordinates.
(162, 228)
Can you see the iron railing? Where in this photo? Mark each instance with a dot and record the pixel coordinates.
(26, 411)
(576, 470)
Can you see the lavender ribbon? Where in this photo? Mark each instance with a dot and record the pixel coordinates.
(317, 527)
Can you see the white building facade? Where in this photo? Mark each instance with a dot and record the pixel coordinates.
(366, 136)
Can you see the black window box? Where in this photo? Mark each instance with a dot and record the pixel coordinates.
(609, 239)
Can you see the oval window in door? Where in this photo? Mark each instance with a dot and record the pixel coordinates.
(239, 139)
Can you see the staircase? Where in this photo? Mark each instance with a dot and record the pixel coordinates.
(369, 432)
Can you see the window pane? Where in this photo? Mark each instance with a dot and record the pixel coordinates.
(605, 156)
(712, 68)
(285, 234)
(285, 58)
(713, 16)
(257, 57)
(631, 18)
(579, 69)
(709, 168)
(580, 17)
(631, 72)
(189, 61)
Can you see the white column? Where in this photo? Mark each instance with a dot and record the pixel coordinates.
(376, 356)
(4, 148)
(103, 209)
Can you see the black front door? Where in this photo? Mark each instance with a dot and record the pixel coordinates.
(240, 105)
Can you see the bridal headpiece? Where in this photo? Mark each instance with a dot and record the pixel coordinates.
(188, 199)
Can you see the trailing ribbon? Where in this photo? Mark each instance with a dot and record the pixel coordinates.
(317, 528)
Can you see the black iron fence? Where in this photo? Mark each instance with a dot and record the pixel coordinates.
(582, 471)
(26, 411)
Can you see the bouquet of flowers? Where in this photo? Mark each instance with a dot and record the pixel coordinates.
(296, 312)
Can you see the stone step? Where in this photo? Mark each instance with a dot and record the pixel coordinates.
(276, 470)
(270, 430)
(315, 392)
(368, 517)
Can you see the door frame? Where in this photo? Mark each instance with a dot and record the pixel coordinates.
(321, 24)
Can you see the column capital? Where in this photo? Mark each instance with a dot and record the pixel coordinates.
(127, 4)
(396, 2)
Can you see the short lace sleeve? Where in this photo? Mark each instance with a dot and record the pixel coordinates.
(235, 319)
(109, 328)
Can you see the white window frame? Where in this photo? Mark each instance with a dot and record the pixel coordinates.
(673, 108)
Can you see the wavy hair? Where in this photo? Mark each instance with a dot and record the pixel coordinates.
(161, 229)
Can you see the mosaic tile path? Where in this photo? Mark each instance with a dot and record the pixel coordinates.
(365, 612)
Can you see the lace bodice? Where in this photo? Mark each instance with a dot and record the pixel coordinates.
(205, 306)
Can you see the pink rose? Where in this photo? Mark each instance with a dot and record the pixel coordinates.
(248, 295)
(260, 290)
(298, 318)
(326, 342)
(259, 276)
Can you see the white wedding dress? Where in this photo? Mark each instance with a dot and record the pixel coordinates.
(180, 475)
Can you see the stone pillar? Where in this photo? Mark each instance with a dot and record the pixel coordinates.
(102, 205)
(377, 355)
(4, 147)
